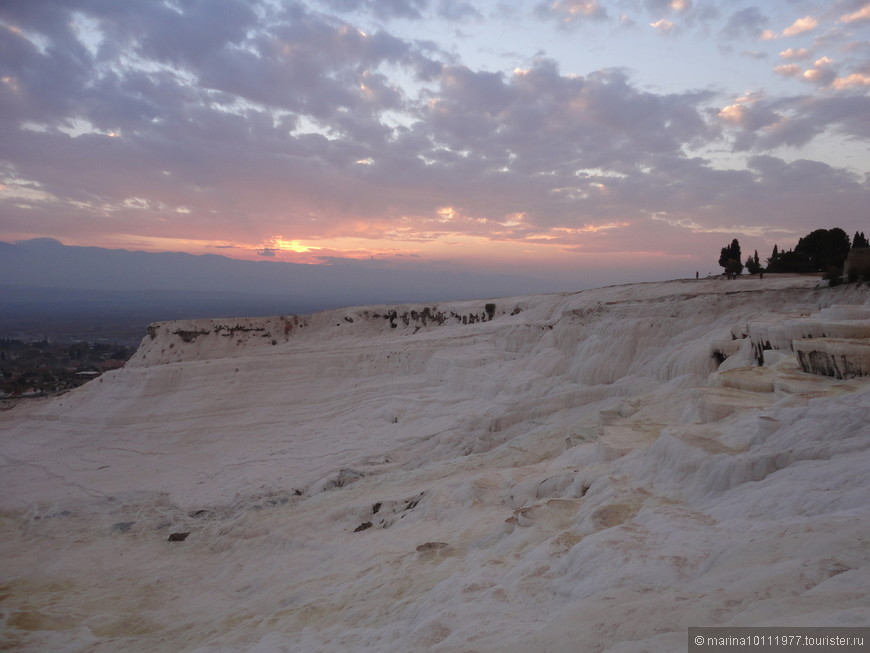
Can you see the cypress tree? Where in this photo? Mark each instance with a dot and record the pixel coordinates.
(729, 258)
(753, 265)
(773, 260)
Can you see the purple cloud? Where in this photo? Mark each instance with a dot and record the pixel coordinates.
(745, 23)
(571, 12)
(383, 9)
(248, 120)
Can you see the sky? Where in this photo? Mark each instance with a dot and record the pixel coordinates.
(576, 142)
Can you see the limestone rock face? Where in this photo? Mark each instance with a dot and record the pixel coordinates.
(843, 358)
(835, 341)
(838, 342)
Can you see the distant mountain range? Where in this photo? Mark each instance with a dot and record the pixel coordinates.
(48, 288)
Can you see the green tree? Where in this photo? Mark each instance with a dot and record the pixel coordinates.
(825, 249)
(774, 257)
(822, 250)
(789, 261)
(753, 265)
(729, 258)
(859, 240)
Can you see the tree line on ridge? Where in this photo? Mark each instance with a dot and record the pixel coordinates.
(823, 250)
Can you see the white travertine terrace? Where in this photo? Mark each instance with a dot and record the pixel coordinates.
(835, 341)
(595, 471)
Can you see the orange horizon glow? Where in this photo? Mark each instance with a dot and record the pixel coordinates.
(469, 251)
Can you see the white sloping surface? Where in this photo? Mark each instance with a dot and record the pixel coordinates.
(532, 482)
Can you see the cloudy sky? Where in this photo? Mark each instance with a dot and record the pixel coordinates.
(565, 140)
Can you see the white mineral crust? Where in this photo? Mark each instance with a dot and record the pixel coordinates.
(596, 471)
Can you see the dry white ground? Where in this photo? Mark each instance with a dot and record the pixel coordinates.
(573, 472)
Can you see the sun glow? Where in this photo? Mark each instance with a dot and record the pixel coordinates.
(280, 244)
(447, 214)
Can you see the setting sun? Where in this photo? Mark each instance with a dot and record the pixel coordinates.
(280, 244)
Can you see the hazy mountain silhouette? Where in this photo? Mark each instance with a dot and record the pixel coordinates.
(48, 288)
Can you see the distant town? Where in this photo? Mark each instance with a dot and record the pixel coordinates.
(41, 368)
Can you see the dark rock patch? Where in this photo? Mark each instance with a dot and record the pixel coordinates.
(432, 546)
(191, 335)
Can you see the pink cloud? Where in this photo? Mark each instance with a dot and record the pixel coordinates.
(800, 26)
(796, 55)
(855, 80)
(663, 26)
(861, 14)
(789, 70)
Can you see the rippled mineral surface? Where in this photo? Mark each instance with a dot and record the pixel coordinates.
(595, 471)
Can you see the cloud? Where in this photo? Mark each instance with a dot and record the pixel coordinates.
(571, 12)
(458, 10)
(765, 124)
(855, 80)
(663, 26)
(848, 114)
(822, 73)
(515, 139)
(541, 120)
(745, 23)
(383, 9)
(185, 35)
(801, 26)
(793, 54)
(749, 116)
(859, 15)
(789, 70)
(671, 15)
(658, 7)
(287, 120)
